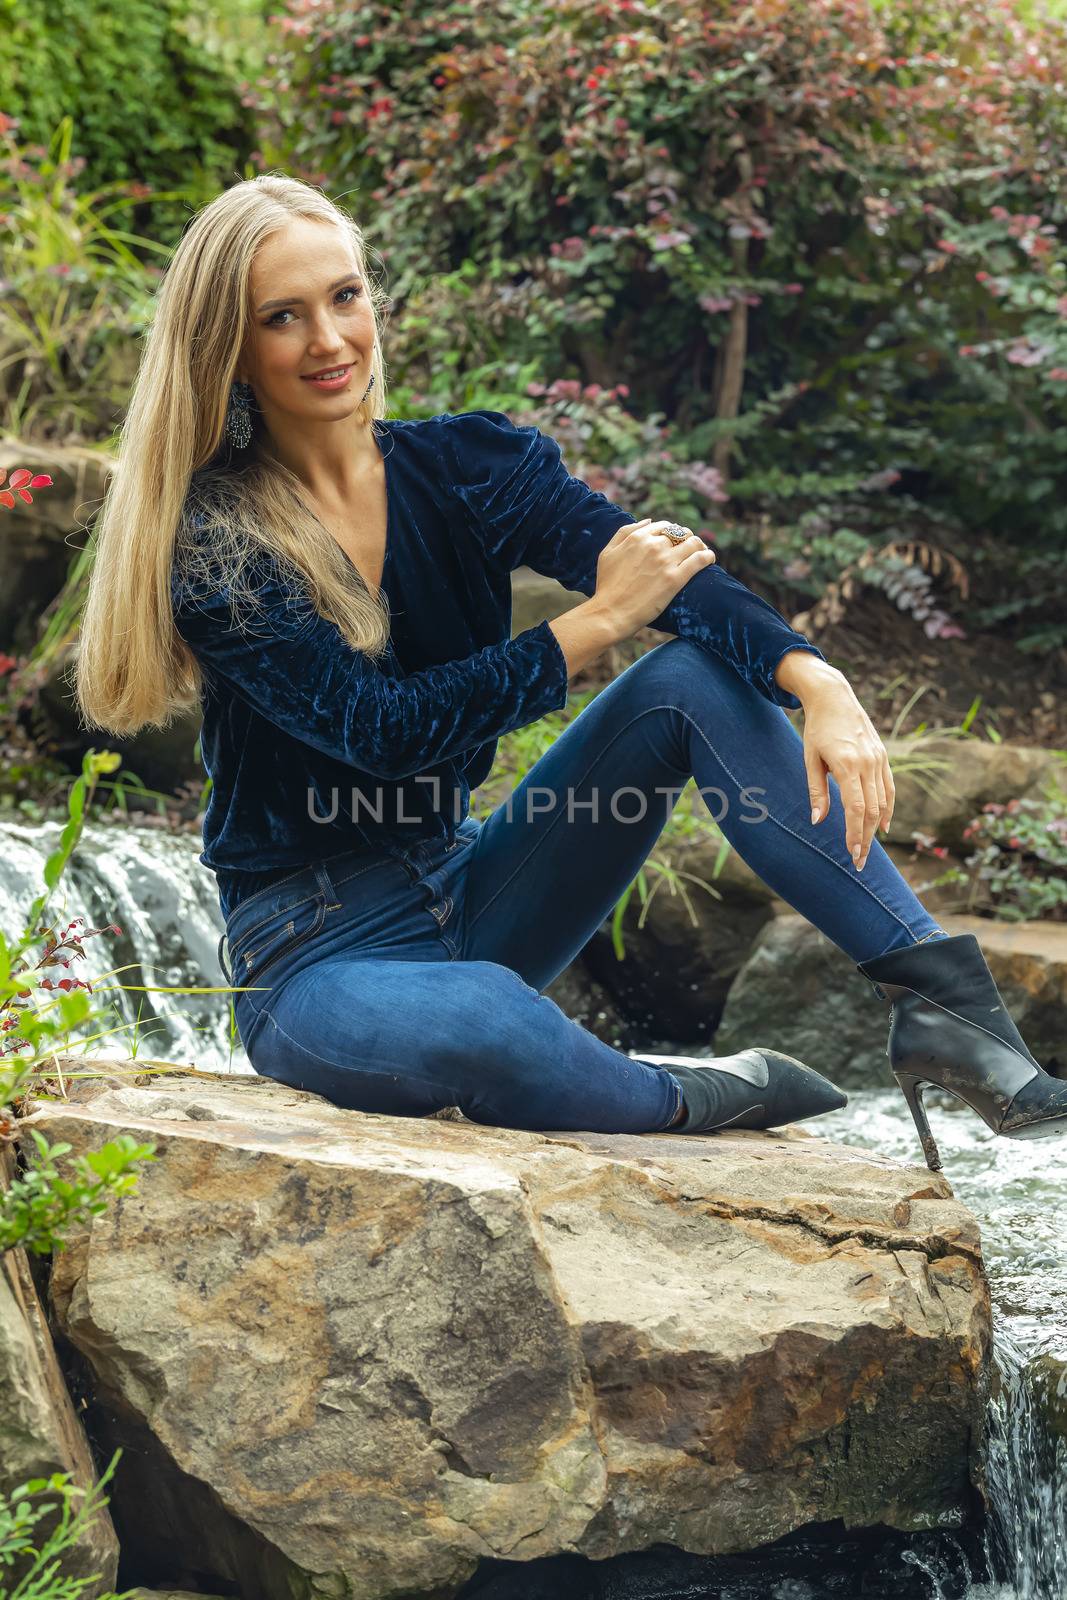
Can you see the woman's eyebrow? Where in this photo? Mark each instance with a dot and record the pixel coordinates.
(295, 300)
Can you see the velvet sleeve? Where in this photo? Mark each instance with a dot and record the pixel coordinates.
(296, 669)
(527, 510)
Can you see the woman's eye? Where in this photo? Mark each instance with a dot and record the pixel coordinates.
(352, 288)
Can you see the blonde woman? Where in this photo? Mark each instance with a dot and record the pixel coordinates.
(333, 588)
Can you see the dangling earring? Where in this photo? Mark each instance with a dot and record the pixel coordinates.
(368, 389)
(238, 420)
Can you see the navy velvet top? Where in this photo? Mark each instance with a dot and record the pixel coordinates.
(314, 749)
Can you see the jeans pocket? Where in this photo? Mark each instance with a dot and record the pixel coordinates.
(274, 937)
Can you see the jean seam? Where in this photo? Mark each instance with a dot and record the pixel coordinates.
(264, 920)
(278, 883)
(856, 878)
(646, 711)
(316, 927)
(337, 882)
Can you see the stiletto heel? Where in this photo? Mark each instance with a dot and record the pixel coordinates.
(913, 1089)
(950, 1029)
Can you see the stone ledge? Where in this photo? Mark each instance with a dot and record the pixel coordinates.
(379, 1349)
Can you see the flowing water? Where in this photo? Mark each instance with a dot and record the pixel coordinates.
(153, 887)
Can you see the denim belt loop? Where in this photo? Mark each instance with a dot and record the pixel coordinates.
(322, 877)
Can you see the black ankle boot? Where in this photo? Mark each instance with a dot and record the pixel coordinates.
(756, 1088)
(950, 1027)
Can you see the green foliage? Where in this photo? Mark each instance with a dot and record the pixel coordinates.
(151, 97)
(39, 1206)
(75, 294)
(1019, 859)
(39, 1571)
(597, 191)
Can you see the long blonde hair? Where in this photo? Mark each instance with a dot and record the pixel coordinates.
(133, 668)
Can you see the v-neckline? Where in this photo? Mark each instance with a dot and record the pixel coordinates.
(388, 512)
(388, 501)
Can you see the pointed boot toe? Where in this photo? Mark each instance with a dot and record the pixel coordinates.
(1038, 1111)
(801, 1091)
(755, 1088)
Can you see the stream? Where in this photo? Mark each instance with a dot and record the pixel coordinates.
(151, 885)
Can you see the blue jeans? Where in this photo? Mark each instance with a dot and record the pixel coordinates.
(403, 984)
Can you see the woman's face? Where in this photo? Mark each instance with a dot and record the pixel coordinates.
(310, 313)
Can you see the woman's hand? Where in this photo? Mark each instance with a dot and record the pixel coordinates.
(840, 738)
(639, 572)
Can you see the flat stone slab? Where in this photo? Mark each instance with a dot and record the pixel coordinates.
(370, 1351)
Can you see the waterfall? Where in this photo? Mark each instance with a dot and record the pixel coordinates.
(1026, 1532)
(153, 887)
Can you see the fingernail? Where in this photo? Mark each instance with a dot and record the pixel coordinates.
(855, 852)
(815, 816)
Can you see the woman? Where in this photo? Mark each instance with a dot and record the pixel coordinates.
(335, 588)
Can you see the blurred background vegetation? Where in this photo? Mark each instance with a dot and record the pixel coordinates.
(795, 274)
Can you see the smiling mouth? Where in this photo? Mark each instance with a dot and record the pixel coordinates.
(334, 372)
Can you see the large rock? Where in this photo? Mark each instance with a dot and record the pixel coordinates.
(39, 1431)
(675, 973)
(163, 758)
(356, 1354)
(580, 997)
(799, 992)
(965, 774)
(535, 598)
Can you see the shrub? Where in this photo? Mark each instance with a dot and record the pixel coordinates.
(1019, 858)
(151, 103)
(825, 240)
(74, 293)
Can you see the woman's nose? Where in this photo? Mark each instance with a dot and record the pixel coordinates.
(325, 335)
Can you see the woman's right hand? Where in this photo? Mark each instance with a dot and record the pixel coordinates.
(639, 571)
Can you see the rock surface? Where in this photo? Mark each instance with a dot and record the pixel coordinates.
(360, 1350)
(969, 773)
(39, 1431)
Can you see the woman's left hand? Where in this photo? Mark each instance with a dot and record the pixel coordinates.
(840, 739)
